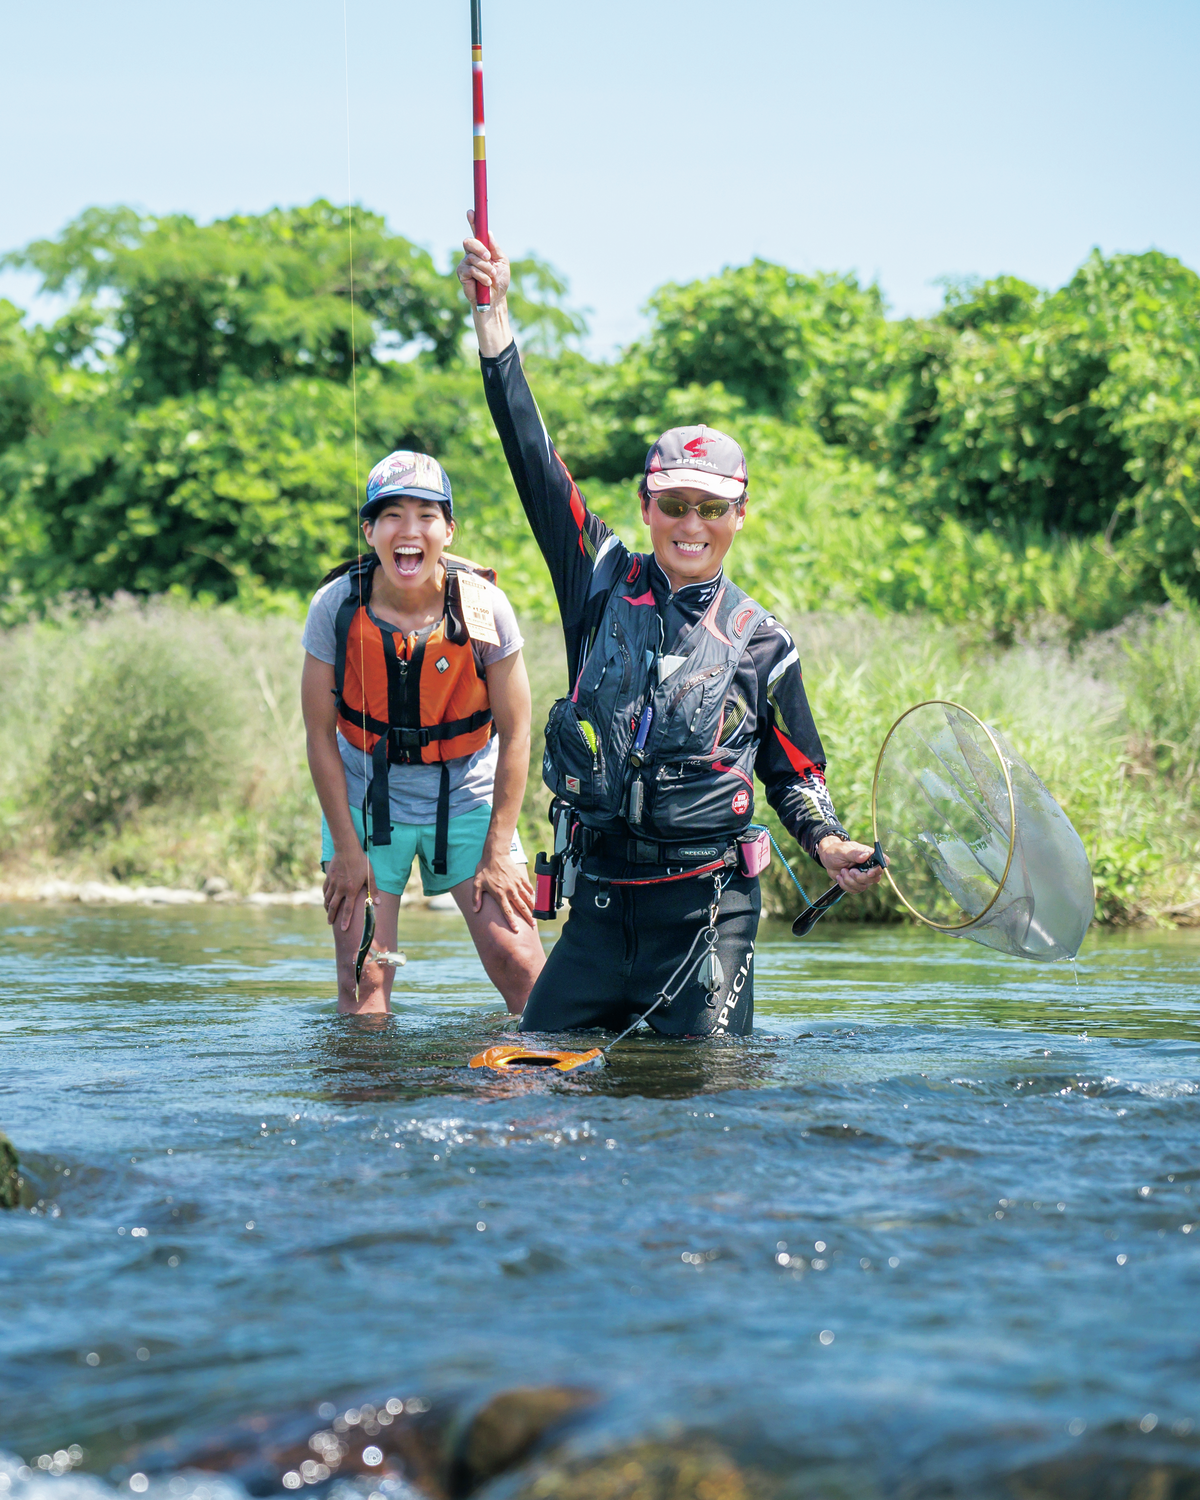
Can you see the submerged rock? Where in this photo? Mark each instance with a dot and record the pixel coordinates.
(691, 1467)
(506, 1429)
(272, 1453)
(1099, 1476)
(443, 1448)
(10, 1174)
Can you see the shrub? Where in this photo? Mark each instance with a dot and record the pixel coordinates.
(144, 723)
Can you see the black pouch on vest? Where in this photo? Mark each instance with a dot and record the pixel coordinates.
(693, 801)
(573, 765)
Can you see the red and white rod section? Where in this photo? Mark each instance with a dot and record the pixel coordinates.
(483, 293)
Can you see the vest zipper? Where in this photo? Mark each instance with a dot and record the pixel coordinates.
(693, 681)
(628, 660)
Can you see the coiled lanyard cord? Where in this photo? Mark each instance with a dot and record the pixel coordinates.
(666, 994)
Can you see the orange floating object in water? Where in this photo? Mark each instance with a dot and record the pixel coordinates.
(504, 1058)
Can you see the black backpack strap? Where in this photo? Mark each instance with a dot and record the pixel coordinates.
(441, 832)
(734, 608)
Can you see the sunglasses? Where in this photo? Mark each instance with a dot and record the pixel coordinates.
(707, 510)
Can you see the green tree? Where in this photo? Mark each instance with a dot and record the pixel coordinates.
(199, 428)
(22, 379)
(266, 296)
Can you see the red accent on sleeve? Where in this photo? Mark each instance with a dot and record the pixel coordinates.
(578, 511)
(800, 761)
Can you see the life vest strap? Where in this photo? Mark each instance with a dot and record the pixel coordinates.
(378, 795)
(441, 832)
(405, 739)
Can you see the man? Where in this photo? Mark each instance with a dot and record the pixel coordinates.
(682, 689)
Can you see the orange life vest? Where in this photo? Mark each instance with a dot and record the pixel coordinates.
(418, 699)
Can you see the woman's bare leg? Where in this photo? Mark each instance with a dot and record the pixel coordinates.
(375, 988)
(513, 960)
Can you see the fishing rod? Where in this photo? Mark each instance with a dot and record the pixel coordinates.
(483, 292)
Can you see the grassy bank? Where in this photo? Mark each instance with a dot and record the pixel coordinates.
(162, 743)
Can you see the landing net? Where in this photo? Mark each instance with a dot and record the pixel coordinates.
(978, 847)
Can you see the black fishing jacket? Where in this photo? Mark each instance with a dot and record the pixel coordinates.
(649, 741)
(586, 558)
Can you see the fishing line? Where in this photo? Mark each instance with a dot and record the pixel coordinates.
(369, 909)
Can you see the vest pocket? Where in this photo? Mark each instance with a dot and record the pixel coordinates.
(695, 800)
(573, 765)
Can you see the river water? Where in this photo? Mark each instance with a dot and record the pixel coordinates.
(933, 1221)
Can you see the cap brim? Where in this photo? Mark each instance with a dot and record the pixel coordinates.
(412, 492)
(403, 492)
(695, 479)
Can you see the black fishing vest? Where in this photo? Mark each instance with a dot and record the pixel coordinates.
(694, 777)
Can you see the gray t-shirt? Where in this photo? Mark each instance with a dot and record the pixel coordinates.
(414, 789)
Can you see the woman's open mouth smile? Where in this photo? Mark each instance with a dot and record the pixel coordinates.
(408, 560)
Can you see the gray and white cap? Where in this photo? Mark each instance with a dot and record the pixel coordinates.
(699, 458)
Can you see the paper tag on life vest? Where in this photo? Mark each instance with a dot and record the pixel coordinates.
(477, 609)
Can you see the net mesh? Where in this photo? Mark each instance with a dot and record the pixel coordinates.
(959, 858)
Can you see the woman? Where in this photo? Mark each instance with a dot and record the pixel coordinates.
(416, 706)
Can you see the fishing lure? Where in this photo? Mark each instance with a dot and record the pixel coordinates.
(391, 958)
(368, 937)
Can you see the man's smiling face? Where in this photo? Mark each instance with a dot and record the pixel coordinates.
(689, 549)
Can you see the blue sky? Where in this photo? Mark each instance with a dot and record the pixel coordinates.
(635, 141)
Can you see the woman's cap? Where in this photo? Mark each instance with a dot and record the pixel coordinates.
(699, 458)
(406, 473)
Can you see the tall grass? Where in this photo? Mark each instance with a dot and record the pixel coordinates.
(164, 743)
(1101, 723)
(159, 743)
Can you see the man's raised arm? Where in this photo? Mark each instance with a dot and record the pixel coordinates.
(569, 535)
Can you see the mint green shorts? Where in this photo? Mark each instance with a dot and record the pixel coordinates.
(392, 863)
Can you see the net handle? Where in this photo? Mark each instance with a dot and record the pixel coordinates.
(1012, 814)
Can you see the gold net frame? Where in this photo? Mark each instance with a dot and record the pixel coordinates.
(1012, 814)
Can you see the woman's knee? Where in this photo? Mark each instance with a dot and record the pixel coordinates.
(517, 952)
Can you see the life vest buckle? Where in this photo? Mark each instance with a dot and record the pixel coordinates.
(410, 739)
